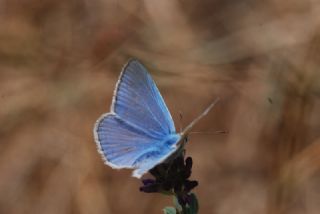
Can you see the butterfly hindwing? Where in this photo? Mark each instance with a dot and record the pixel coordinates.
(124, 145)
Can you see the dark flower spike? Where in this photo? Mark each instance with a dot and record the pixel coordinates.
(182, 200)
(188, 199)
(148, 181)
(150, 188)
(177, 188)
(167, 185)
(160, 171)
(188, 163)
(187, 172)
(180, 162)
(189, 185)
(171, 178)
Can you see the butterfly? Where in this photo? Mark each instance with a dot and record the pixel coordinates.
(138, 133)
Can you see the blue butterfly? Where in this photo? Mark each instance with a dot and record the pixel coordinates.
(138, 133)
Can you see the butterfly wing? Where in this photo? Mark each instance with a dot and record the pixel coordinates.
(139, 132)
(138, 101)
(124, 145)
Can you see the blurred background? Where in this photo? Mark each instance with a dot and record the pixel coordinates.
(59, 63)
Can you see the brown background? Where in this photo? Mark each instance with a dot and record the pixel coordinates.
(59, 62)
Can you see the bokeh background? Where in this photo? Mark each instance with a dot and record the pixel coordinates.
(60, 60)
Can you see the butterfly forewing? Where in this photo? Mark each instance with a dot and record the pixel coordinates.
(138, 101)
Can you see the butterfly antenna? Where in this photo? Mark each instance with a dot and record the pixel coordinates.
(189, 127)
(214, 132)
